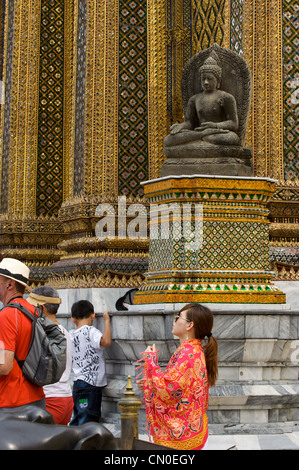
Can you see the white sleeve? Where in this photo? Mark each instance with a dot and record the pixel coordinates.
(95, 336)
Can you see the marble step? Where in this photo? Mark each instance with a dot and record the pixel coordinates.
(255, 395)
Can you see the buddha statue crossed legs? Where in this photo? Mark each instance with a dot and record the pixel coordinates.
(211, 115)
(210, 132)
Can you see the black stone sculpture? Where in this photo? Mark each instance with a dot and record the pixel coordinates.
(33, 429)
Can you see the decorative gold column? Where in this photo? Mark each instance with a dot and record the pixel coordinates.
(176, 31)
(207, 23)
(92, 105)
(101, 131)
(22, 234)
(157, 85)
(70, 45)
(268, 48)
(18, 152)
(262, 48)
(95, 154)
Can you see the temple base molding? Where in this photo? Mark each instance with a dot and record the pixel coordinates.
(209, 241)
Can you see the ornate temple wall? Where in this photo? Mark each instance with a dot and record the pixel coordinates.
(91, 88)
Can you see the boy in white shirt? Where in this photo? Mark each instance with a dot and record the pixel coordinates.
(89, 369)
(59, 400)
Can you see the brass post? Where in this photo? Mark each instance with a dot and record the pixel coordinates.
(129, 405)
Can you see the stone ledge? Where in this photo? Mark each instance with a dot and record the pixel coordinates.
(254, 396)
(224, 308)
(247, 429)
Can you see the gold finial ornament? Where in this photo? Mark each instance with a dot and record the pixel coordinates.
(129, 405)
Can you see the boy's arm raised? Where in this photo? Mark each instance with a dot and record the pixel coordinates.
(106, 337)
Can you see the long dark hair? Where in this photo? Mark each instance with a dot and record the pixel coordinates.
(203, 320)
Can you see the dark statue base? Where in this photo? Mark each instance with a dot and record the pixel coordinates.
(33, 429)
(231, 161)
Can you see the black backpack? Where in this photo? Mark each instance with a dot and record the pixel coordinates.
(46, 358)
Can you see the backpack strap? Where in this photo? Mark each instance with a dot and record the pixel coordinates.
(24, 310)
(28, 315)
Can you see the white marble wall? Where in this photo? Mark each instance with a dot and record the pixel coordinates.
(258, 354)
(291, 289)
(102, 299)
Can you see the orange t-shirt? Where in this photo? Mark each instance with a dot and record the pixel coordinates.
(15, 335)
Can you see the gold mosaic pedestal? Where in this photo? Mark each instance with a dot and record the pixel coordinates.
(231, 264)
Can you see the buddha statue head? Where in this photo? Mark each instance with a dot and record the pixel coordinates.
(211, 65)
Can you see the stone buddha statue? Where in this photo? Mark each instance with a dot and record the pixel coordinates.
(216, 99)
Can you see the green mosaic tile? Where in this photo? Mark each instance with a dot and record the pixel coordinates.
(133, 158)
(290, 88)
(49, 191)
(225, 245)
(236, 30)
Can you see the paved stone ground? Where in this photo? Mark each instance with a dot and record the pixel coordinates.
(287, 441)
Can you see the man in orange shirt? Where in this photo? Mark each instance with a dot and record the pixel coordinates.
(15, 336)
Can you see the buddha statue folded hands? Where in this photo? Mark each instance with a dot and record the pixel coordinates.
(214, 127)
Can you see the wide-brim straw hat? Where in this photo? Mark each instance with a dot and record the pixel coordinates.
(15, 269)
(37, 299)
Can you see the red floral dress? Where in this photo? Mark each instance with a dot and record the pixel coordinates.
(176, 401)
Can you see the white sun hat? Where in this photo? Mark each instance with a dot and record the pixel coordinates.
(15, 269)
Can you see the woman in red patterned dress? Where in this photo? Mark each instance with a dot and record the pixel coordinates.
(176, 401)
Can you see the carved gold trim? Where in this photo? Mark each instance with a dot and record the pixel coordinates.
(285, 272)
(276, 90)
(110, 168)
(207, 23)
(2, 107)
(94, 108)
(177, 37)
(284, 230)
(70, 59)
(101, 98)
(213, 297)
(24, 108)
(213, 183)
(103, 279)
(284, 243)
(91, 244)
(227, 23)
(262, 47)
(157, 84)
(40, 257)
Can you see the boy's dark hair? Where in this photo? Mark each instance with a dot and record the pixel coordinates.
(82, 309)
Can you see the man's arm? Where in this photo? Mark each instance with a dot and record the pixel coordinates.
(6, 361)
